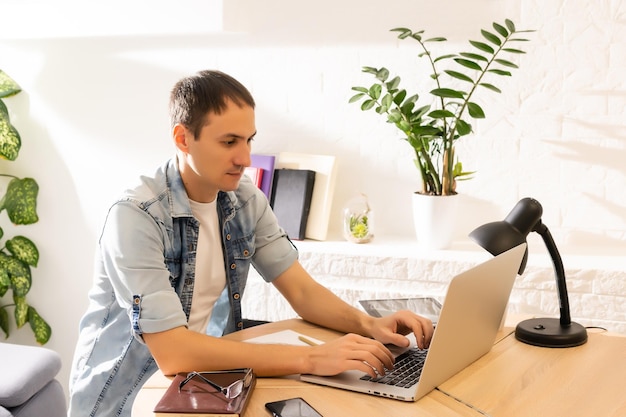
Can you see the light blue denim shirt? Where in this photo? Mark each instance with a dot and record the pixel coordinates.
(144, 278)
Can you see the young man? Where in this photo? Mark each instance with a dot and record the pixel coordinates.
(173, 261)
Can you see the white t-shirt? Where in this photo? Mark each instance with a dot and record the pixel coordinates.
(210, 279)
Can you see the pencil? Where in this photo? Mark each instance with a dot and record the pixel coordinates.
(307, 341)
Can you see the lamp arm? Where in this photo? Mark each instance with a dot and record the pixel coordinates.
(559, 272)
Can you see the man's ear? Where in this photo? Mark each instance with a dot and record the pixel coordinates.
(181, 136)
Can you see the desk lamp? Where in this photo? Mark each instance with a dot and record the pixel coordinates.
(498, 237)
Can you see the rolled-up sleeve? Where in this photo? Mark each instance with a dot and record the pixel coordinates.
(132, 252)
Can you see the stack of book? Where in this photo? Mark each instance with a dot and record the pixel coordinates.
(299, 188)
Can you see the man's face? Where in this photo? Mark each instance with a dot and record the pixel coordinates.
(216, 159)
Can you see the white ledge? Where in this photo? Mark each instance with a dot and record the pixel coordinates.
(401, 247)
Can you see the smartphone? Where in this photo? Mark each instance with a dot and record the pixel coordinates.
(292, 407)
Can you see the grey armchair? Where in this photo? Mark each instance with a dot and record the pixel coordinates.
(28, 387)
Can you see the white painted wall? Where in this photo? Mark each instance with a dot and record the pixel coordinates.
(93, 116)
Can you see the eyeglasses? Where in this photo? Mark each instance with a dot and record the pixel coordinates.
(231, 391)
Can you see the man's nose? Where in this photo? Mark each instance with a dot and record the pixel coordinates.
(243, 157)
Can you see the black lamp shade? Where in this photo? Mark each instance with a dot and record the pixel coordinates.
(498, 237)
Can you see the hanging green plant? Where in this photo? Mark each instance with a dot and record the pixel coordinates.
(19, 253)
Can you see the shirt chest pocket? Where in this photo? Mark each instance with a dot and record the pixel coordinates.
(240, 249)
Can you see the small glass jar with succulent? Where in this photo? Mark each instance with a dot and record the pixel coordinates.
(358, 220)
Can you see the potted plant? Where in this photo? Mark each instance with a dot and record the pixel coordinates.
(433, 128)
(19, 253)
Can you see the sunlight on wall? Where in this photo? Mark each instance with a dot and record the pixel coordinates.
(70, 18)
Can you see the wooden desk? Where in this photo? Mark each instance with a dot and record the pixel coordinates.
(514, 379)
(329, 402)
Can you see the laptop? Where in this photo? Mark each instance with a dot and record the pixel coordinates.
(468, 323)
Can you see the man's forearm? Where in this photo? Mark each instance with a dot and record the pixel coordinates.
(317, 304)
(182, 350)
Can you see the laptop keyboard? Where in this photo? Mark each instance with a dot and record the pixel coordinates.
(406, 371)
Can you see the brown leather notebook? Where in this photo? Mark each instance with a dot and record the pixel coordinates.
(200, 399)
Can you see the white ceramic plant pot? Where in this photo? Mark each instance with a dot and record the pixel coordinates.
(435, 219)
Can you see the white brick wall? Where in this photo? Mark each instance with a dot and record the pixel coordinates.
(399, 269)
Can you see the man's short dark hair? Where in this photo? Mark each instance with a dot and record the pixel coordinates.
(194, 97)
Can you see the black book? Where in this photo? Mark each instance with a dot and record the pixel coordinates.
(291, 199)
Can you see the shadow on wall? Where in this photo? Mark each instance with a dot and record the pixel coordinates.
(599, 153)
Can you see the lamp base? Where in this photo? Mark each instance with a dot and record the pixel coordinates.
(548, 332)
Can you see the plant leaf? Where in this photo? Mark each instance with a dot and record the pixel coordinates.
(437, 39)
(475, 111)
(368, 104)
(509, 24)
(387, 100)
(8, 87)
(5, 281)
(40, 328)
(491, 37)
(447, 93)
(21, 279)
(499, 72)
(356, 97)
(501, 30)
(475, 57)
(399, 97)
(407, 107)
(382, 74)
(393, 84)
(490, 87)
(442, 57)
(404, 32)
(482, 46)
(361, 89)
(370, 70)
(4, 321)
(440, 114)
(506, 63)
(20, 201)
(425, 131)
(513, 50)
(24, 250)
(463, 128)
(468, 64)
(411, 99)
(394, 116)
(422, 111)
(21, 311)
(459, 75)
(375, 91)
(10, 141)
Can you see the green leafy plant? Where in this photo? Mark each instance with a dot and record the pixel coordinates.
(358, 226)
(433, 129)
(19, 253)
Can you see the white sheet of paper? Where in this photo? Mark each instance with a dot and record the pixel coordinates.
(284, 337)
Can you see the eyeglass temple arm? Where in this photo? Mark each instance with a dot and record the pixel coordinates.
(208, 381)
